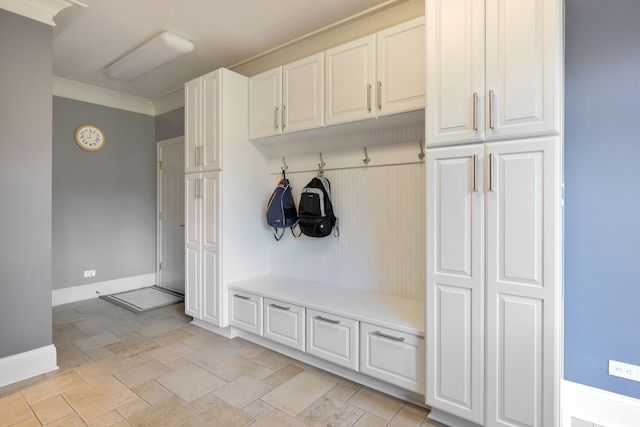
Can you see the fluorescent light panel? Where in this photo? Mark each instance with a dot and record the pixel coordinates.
(156, 52)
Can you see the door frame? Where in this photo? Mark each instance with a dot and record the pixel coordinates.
(160, 145)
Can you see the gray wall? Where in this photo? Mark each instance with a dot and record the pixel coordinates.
(602, 206)
(104, 202)
(25, 184)
(170, 125)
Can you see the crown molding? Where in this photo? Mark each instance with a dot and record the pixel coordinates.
(38, 10)
(169, 101)
(95, 95)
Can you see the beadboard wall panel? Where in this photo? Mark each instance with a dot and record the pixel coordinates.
(381, 247)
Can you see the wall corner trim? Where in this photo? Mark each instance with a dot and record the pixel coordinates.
(598, 406)
(94, 290)
(29, 364)
(169, 101)
(38, 10)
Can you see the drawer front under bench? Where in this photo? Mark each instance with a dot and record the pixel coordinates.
(246, 312)
(284, 323)
(392, 356)
(333, 338)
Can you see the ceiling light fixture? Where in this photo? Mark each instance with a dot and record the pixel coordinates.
(156, 52)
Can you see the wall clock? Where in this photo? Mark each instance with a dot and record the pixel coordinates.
(90, 137)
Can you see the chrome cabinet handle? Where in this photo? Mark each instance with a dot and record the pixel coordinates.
(275, 117)
(369, 98)
(324, 319)
(475, 110)
(280, 307)
(491, 109)
(284, 117)
(198, 156)
(475, 173)
(391, 337)
(379, 95)
(241, 297)
(491, 172)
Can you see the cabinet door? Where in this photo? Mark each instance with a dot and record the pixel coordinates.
(523, 69)
(400, 68)
(303, 94)
(212, 291)
(392, 356)
(455, 71)
(265, 101)
(284, 323)
(455, 281)
(349, 80)
(333, 338)
(192, 130)
(193, 187)
(211, 85)
(246, 312)
(523, 283)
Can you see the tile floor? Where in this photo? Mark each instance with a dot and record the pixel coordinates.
(155, 369)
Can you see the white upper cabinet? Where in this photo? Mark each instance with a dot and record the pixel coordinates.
(265, 103)
(494, 69)
(202, 137)
(350, 79)
(400, 69)
(303, 94)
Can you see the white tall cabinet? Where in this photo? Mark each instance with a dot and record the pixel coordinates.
(494, 212)
(225, 193)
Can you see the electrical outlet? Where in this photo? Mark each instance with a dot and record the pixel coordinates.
(624, 370)
(89, 273)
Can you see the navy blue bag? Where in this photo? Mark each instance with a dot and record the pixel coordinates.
(281, 209)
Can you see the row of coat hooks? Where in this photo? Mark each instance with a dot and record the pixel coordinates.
(366, 159)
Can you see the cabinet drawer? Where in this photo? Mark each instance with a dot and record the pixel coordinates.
(392, 356)
(246, 312)
(333, 338)
(284, 323)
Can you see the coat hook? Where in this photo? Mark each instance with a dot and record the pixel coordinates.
(321, 164)
(421, 155)
(366, 159)
(284, 167)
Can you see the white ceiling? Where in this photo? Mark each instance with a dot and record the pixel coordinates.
(225, 32)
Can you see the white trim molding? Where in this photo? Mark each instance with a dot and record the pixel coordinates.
(598, 406)
(169, 101)
(38, 10)
(94, 290)
(29, 364)
(96, 95)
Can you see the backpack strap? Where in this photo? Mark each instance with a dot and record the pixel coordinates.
(336, 228)
(294, 233)
(275, 234)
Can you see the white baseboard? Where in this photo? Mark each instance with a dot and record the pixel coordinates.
(28, 364)
(94, 290)
(598, 406)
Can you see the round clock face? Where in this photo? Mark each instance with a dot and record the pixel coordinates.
(90, 137)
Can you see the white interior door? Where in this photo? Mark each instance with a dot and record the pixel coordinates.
(171, 222)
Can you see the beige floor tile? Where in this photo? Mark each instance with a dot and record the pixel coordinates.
(29, 422)
(132, 346)
(221, 415)
(132, 408)
(273, 360)
(91, 400)
(72, 420)
(216, 353)
(277, 418)
(261, 372)
(53, 386)
(343, 391)
(105, 367)
(179, 363)
(171, 352)
(121, 329)
(172, 337)
(257, 408)
(204, 341)
(170, 412)
(143, 373)
(14, 409)
(250, 353)
(415, 408)
(106, 420)
(97, 340)
(206, 402)
(242, 391)
(282, 375)
(51, 409)
(370, 420)
(68, 353)
(152, 392)
(190, 382)
(330, 411)
(233, 368)
(161, 325)
(299, 392)
(377, 403)
(407, 418)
